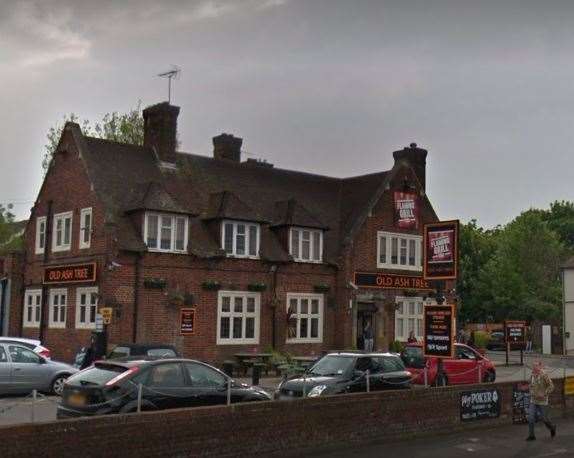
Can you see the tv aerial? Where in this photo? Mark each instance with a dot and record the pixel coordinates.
(172, 74)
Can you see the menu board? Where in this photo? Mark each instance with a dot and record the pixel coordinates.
(439, 331)
(479, 405)
(440, 246)
(520, 402)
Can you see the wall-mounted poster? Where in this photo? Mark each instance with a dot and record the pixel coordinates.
(187, 321)
(441, 250)
(406, 210)
(479, 404)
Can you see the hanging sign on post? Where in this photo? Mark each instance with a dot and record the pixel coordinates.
(440, 250)
(439, 331)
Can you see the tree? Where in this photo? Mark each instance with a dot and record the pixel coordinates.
(120, 127)
(560, 219)
(10, 237)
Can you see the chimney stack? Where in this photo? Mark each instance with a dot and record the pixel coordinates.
(227, 147)
(415, 157)
(160, 130)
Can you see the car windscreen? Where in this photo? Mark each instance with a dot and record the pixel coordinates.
(96, 375)
(391, 364)
(161, 353)
(413, 357)
(119, 352)
(332, 365)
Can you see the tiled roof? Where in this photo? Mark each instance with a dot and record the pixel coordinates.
(129, 177)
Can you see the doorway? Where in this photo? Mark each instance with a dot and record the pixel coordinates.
(365, 314)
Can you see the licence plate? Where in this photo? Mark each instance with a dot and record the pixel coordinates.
(77, 399)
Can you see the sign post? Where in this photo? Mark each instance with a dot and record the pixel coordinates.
(439, 332)
(514, 334)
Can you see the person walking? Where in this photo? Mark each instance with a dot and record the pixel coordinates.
(540, 387)
(368, 338)
(528, 339)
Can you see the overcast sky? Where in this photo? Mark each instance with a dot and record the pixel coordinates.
(326, 86)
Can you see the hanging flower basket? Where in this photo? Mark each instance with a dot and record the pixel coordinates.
(321, 288)
(211, 285)
(155, 283)
(255, 287)
(176, 298)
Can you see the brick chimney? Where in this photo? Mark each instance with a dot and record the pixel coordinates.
(160, 130)
(416, 157)
(227, 147)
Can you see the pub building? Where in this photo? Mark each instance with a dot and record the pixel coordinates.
(215, 254)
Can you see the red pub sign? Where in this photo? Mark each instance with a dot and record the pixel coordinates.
(406, 210)
(390, 281)
(441, 250)
(77, 273)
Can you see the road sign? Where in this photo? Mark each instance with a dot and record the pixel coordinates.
(106, 313)
(99, 323)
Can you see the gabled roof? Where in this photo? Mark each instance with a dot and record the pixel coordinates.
(129, 177)
(292, 213)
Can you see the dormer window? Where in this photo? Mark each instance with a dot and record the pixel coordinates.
(306, 245)
(166, 233)
(240, 239)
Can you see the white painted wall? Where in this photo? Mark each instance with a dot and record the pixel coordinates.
(569, 309)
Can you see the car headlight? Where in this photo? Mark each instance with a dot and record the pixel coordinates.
(316, 391)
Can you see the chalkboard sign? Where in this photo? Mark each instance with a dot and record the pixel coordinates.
(520, 402)
(479, 405)
(438, 340)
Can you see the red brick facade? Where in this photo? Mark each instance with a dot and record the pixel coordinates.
(145, 313)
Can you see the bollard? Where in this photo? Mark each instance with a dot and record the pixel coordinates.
(368, 377)
(255, 375)
(229, 382)
(33, 412)
(426, 376)
(304, 384)
(140, 389)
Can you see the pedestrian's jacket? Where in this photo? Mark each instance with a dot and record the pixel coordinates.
(540, 387)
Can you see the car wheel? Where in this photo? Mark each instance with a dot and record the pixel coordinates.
(441, 380)
(489, 377)
(58, 384)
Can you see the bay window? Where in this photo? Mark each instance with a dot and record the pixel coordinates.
(306, 245)
(240, 239)
(399, 251)
(166, 233)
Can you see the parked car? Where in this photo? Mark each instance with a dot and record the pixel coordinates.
(22, 370)
(32, 344)
(496, 341)
(461, 369)
(111, 386)
(132, 351)
(338, 373)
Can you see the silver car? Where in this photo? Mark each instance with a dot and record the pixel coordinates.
(22, 370)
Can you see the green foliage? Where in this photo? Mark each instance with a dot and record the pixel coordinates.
(396, 346)
(481, 338)
(512, 272)
(120, 127)
(10, 239)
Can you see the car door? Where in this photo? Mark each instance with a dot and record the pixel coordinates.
(28, 370)
(358, 380)
(5, 371)
(462, 368)
(209, 385)
(167, 387)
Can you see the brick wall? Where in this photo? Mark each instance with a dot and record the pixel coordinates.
(261, 428)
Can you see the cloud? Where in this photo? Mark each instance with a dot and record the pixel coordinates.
(38, 36)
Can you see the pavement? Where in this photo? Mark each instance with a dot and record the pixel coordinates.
(502, 442)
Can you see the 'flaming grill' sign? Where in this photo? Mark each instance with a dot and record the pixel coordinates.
(441, 251)
(406, 210)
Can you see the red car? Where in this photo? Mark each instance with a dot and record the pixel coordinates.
(463, 368)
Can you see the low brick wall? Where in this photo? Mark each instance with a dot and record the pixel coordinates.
(251, 429)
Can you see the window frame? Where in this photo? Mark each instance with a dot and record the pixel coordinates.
(244, 314)
(298, 256)
(82, 243)
(51, 294)
(88, 290)
(174, 219)
(62, 216)
(321, 316)
(408, 238)
(33, 323)
(39, 221)
(247, 245)
(406, 315)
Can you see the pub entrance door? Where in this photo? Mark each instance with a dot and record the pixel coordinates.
(365, 314)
